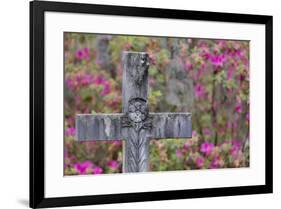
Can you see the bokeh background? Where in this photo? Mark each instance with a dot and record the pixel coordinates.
(209, 78)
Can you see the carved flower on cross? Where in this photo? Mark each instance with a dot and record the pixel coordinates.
(138, 110)
(137, 115)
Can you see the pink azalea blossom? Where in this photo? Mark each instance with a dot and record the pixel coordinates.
(117, 142)
(236, 146)
(70, 131)
(230, 73)
(106, 89)
(179, 153)
(69, 83)
(186, 145)
(86, 53)
(79, 54)
(81, 168)
(228, 124)
(238, 107)
(207, 132)
(87, 79)
(78, 78)
(218, 60)
(127, 46)
(206, 55)
(221, 43)
(99, 80)
(151, 81)
(215, 163)
(188, 65)
(113, 164)
(199, 90)
(199, 162)
(206, 148)
(97, 170)
(152, 59)
(194, 133)
(83, 54)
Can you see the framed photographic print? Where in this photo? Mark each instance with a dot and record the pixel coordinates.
(135, 104)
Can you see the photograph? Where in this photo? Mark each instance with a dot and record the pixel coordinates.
(133, 104)
(193, 112)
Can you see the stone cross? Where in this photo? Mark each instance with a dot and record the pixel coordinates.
(135, 125)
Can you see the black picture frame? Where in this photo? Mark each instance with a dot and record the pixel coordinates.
(37, 101)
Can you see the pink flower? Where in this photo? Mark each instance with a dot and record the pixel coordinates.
(81, 168)
(151, 81)
(236, 146)
(186, 145)
(127, 45)
(79, 54)
(199, 90)
(199, 162)
(86, 53)
(218, 60)
(221, 43)
(188, 65)
(78, 78)
(207, 132)
(179, 153)
(230, 73)
(99, 80)
(206, 148)
(70, 131)
(206, 55)
(194, 133)
(97, 170)
(113, 164)
(215, 163)
(87, 79)
(152, 59)
(238, 107)
(83, 54)
(106, 89)
(69, 83)
(117, 142)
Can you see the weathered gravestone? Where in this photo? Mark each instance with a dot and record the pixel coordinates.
(179, 88)
(136, 125)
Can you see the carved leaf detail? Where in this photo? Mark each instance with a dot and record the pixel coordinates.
(138, 153)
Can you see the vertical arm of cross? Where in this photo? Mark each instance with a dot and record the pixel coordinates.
(134, 88)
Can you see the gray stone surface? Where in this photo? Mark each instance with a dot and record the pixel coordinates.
(98, 127)
(171, 125)
(179, 87)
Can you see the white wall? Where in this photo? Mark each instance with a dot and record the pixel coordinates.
(14, 78)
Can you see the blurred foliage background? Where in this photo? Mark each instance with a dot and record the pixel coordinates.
(209, 78)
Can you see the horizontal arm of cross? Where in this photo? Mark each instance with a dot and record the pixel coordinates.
(98, 126)
(171, 125)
